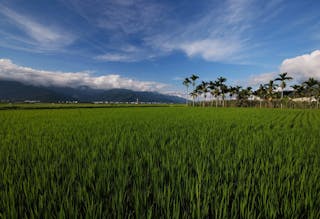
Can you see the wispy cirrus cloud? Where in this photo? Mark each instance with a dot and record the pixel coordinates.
(11, 71)
(123, 17)
(126, 53)
(116, 57)
(214, 33)
(34, 34)
(222, 33)
(123, 24)
(231, 31)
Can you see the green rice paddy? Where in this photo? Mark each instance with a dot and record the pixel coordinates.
(159, 162)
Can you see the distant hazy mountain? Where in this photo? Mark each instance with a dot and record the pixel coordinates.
(17, 91)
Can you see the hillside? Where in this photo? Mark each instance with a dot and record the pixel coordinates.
(16, 92)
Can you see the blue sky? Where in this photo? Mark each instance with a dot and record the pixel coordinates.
(157, 43)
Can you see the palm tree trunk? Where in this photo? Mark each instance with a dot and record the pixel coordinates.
(270, 103)
(211, 100)
(222, 100)
(310, 103)
(193, 84)
(281, 98)
(187, 96)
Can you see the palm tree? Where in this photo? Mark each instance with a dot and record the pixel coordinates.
(193, 79)
(232, 91)
(297, 90)
(283, 78)
(261, 93)
(199, 91)
(205, 90)
(317, 94)
(244, 95)
(270, 87)
(237, 92)
(312, 87)
(186, 83)
(248, 91)
(211, 87)
(215, 90)
(223, 88)
(310, 84)
(249, 94)
(194, 94)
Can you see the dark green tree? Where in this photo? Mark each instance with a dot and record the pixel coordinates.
(283, 78)
(187, 83)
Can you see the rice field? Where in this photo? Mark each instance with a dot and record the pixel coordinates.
(162, 162)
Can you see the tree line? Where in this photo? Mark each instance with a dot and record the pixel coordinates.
(272, 94)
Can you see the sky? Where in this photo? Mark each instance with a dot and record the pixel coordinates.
(152, 45)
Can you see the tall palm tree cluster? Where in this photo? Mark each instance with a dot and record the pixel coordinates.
(272, 94)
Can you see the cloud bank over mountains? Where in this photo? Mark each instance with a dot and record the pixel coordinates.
(300, 68)
(11, 71)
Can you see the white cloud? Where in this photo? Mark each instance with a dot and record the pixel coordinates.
(237, 11)
(264, 78)
(303, 67)
(176, 93)
(42, 36)
(125, 53)
(221, 31)
(300, 68)
(219, 34)
(212, 50)
(216, 31)
(116, 57)
(11, 71)
(123, 17)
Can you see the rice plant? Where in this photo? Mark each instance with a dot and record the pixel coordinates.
(164, 162)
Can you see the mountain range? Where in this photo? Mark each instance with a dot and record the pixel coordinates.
(15, 91)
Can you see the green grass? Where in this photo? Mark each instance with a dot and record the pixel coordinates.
(164, 162)
(14, 106)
